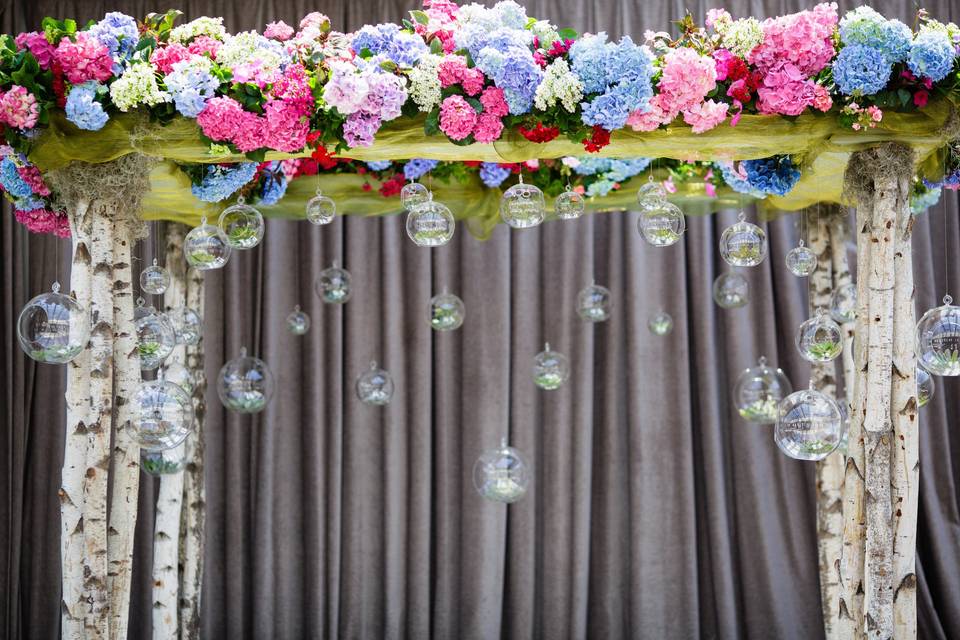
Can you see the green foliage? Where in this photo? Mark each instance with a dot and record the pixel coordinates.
(162, 23)
(57, 30)
(249, 95)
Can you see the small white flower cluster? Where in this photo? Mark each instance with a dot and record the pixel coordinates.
(741, 36)
(249, 47)
(545, 32)
(202, 26)
(137, 85)
(425, 82)
(559, 84)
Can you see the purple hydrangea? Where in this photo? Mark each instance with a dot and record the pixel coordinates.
(516, 72)
(379, 165)
(118, 32)
(360, 129)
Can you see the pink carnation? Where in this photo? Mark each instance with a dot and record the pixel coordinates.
(705, 116)
(19, 108)
(804, 39)
(220, 119)
(473, 80)
(494, 102)
(457, 118)
(278, 31)
(31, 175)
(489, 128)
(38, 45)
(687, 77)
(163, 58)
(44, 221)
(205, 45)
(287, 126)
(85, 59)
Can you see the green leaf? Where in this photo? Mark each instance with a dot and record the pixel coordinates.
(567, 34)
(146, 42)
(476, 104)
(905, 97)
(420, 16)
(388, 65)
(431, 125)
(436, 47)
(409, 109)
(257, 156)
(70, 26)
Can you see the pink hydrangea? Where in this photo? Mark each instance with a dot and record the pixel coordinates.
(821, 98)
(205, 45)
(443, 11)
(450, 70)
(19, 108)
(473, 81)
(255, 72)
(294, 86)
(804, 39)
(494, 102)
(44, 221)
(705, 116)
(314, 20)
(290, 167)
(489, 128)
(651, 118)
(786, 91)
(687, 77)
(716, 15)
(38, 45)
(85, 59)
(345, 89)
(278, 31)
(287, 126)
(31, 175)
(163, 58)
(220, 119)
(457, 118)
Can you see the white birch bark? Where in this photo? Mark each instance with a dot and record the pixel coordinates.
(842, 277)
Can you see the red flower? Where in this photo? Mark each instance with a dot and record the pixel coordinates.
(539, 133)
(58, 87)
(366, 186)
(540, 59)
(323, 158)
(598, 139)
(559, 48)
(361, 170)
(920, 98)
(472, 163)
(392, 186)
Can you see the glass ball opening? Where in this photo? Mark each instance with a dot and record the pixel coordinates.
(447, 312)
(242, 226)
(245, 384)
(594, 303)
(375, 386)
(522, 206)
(333, 285)
(819, 339)
(652, 194)
(550, 369)
(759, 391)
(430, 224)
(731, 290)
(413, 194)
(501, 475)
(743, 244)
(162, 415)
(53, 328)
(205, 247)
(809, 425)
(662, 225)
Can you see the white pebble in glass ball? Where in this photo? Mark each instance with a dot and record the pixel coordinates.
(175, 372)
(809, 425)
(242, 225)
(430, 224)
(205, 247)
(843, 303)
(661, 225)
(298, 322)
(53, 327)
(594, 303)
(660, 323)
(501, 475)
(154, 279)
(333, 285)
(163, 463)
(819, 339)
(413, 195)
(447, 312)
(743, 244)
(522, 206)
(375, 386)
(938, 339)
(162, 415)
(925, 387)
(731, 290)
(245, 384)
(550, 369)
(187, 325)
(156, 337)
(759, 391)
(801, 261)
(652, 194)
(320, 209)
(569, 205)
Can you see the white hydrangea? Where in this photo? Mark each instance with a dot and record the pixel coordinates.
(425, 82)
(950, 29)
(510, 14)
(202, 26)
(545, 32)
(559, 84)
(138, 85)
(248, 46)
(741, 36)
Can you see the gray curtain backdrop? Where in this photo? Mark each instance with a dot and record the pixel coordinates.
(654, 511)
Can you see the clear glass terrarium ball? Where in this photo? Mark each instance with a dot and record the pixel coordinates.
(205, 247)
(759, 391)
(447, 312)
(731, 290)
(298, 322)
(430, 224)
(156, 336)
(333, 285)
(809, 425)
(242, 225)
(550, 369)
(594, 303)
(154, 279)
(174, 371)
(569, 205)
(522, 206)
(938, 339)
(187, 325)
(501, 474)
(413, 195)
(661, 225)
(321, 209)
(375, 386)
(162, 415)
(925, 387)
(801, 261)
(53, 327)
(245, 384)
(163, 463)
(843, 303)
(652, 194)
(743, 244)
(819, 339)
(660, 323)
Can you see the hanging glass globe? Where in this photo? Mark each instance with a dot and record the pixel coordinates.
(430, 224)
(154, 279)
(569, 204)
(205, 247)
(661, 225)
(163, 463)
(843, 303)
(179, 375)
(187, 325)
(938, 339)
(446, 312)
(522, 206)
(162, 415)
(53, 327)
(801, 261)
(501, 475)
(809, 425)
(593, 303)
(156, 337)
(242, 225)
(413, 195)
(743, 244)
(759, 391)
(550, 369)
(819, 339)
(333, 285)
(731, 290)
(375, 386)
(245, 384)
(660, 323)
(321, 209)
(651, 195)
(925, 387)
(298, 322)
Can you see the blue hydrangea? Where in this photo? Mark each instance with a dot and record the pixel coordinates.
(191, 84)
(589, 56)
(922, 201)
(931, 55)
(493, 174)
(612, 109)
(865, 26)
(386, 41)
(861, 70)
(623, 170)
(600, 187)
(379, 165)
(82, 108)
(775, 175)
(510, 14)
(11, 181)
(500, 28)
(118, 32)
(417, 167)
(620, 72)
(950, 181)
(514, 71)
(735, 182)
(274, 184)
(222, 181)
(29, 204)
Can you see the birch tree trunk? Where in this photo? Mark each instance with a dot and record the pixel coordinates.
(166, 538)
(842, 277)
(75, 447)
(192, 517)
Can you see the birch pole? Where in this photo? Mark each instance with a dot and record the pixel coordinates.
(166, 537)
(192, 518)
(842, 277)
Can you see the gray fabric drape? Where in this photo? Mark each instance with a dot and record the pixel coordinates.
(654, 511)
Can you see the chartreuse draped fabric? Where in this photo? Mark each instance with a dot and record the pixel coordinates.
(654, 511)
